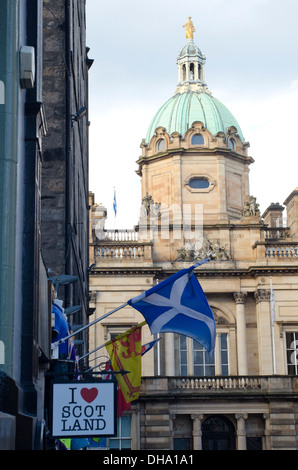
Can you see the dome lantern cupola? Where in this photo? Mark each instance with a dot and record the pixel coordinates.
(190, 63)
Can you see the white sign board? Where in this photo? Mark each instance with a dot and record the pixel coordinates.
(82, 409)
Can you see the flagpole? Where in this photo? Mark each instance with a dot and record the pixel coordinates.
(91, 352)
(54, 345)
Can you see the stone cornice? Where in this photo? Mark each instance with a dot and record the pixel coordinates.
(251, 272)
(180, 150)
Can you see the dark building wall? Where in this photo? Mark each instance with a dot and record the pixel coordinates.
(22, 129)
(65, 150)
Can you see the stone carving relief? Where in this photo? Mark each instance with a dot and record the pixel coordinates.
(207, 249)
(251, 208)
(150, 207)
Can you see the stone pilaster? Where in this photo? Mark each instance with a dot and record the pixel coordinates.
(240, 298)
(262, 298)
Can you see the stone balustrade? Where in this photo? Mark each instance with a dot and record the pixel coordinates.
(281, 250)
(120, 235)
(117, 252)
(274, 233)
(219, 385)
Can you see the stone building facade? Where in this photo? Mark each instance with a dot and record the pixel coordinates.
(194, 170)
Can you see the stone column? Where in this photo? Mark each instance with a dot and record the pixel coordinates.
(240, 298)
(241, 431)
(197, 431)
(262, 298)
(169, 355)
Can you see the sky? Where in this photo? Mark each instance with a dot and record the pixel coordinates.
(251, 47)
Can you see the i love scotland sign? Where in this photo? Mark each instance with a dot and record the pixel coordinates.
(82, 409)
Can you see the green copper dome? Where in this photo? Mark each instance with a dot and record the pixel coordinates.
(180, 111)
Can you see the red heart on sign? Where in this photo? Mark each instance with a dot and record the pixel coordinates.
(89, 394)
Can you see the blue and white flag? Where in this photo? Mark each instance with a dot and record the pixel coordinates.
(179, 305)
(115, 203)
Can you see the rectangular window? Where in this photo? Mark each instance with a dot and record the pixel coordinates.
(224, 354)
(123, 438)
(183, 355)
(292, 352)
(203, 363)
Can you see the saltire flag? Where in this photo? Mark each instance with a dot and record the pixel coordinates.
(115, 203)
(125, 352)
(148, 346)
(179, 305)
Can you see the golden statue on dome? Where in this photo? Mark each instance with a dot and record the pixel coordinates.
(189, 28)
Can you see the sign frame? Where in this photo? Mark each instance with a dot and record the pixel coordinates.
(91, 410)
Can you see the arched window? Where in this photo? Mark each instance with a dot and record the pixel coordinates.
(197, 139)
(160, 145)
(232, 145)
(195, 360)
(218, 433)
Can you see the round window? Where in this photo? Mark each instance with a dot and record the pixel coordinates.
(199, 183)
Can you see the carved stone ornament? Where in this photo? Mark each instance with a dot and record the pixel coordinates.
(149, 207)
(190, 252)
(262, 295)
(251, 208)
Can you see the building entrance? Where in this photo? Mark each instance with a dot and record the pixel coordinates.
(218, 433)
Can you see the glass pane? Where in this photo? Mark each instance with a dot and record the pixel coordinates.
(199, 183)
(125, 426)
(183, 357)
(114, 443)
(210, 370)
(199, 371)
(231, 144)
(197, 346)
(225, 370)
(198, 357)
(182, 342)
(224, 357)
(291, 370)
(126, 444)
(183, 370)
(208, 359)
(289, 339)
(197, 139)
(223, 341)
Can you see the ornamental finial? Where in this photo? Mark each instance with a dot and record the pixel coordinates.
(190, 29)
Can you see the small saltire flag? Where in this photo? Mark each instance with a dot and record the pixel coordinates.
(179, 305)
(146, 347)
(125, 353)
(115, 203)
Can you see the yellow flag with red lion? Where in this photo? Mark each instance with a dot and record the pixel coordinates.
(125, 353)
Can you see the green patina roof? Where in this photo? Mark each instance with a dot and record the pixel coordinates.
(180, 111)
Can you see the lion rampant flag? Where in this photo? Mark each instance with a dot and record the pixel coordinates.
(125, 353)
